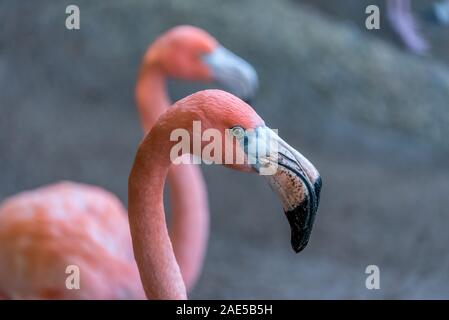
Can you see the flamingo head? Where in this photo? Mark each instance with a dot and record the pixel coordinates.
(249, 145)
(190, 53)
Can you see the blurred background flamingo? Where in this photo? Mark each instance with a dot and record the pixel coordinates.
(176, 54)
(404, 23)
(413, 23)
(45, 230)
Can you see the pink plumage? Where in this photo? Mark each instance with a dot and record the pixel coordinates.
(45, 230)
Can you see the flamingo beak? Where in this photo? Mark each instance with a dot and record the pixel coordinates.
(232, 72)
(291, 176)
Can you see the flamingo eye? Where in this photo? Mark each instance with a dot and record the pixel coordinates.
(238, 132)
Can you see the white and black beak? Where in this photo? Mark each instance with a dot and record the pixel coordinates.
(291, 176)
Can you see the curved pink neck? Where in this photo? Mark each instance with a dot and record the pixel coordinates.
(188, 195)
(159, 270)
(151, 96)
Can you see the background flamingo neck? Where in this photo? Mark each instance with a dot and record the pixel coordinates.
(151, 95)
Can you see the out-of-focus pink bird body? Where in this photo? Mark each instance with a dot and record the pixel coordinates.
(45, 230)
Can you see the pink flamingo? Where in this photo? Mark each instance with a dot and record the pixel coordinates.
(403, 22)
(296, 181)
(45, 230)
(189, 53)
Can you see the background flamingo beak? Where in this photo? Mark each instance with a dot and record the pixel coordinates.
(232, 72)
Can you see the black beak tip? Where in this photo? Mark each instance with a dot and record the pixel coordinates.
(301, 222)
(299, 241)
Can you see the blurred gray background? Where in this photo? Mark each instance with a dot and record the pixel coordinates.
(373, 118)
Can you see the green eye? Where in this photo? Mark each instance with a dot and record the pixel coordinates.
(238, 132)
